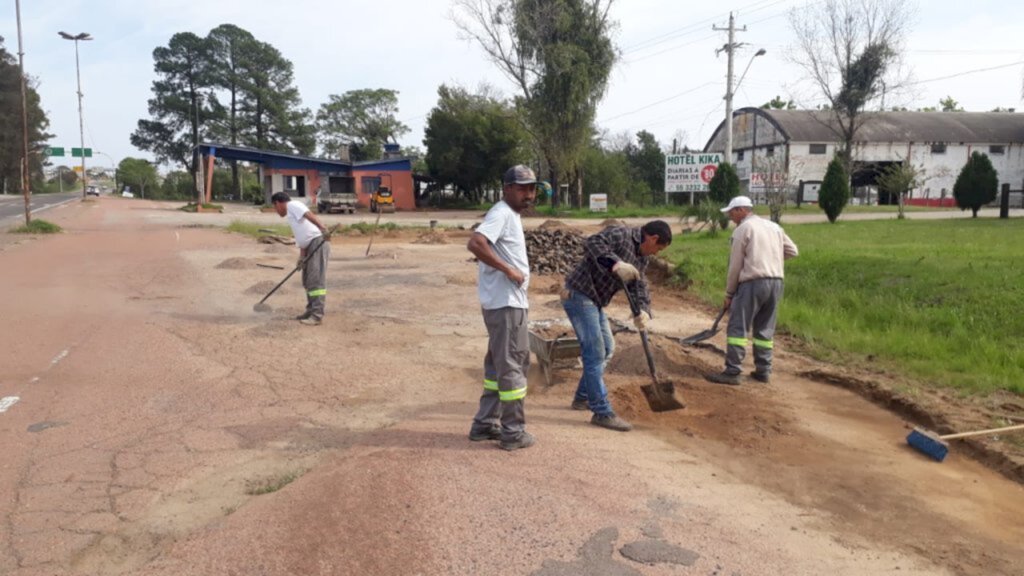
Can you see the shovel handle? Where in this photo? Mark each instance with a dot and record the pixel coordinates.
(718, 319)
(635, 309)
(982, 432)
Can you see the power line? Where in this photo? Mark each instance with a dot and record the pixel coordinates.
(966, 72)
(691, 28)
(662, 101)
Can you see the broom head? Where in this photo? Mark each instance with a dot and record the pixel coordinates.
(928, 443)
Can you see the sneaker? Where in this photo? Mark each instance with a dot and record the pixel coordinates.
(724, 378)
(304, 315)
(493, 433)
(310, 321)
(525, 440)
(611, 422)
(580, 405)
(763, 377)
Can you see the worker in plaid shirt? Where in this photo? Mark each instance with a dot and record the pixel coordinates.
(615, 256)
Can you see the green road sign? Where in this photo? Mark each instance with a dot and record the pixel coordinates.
(54, 151)
(77, 152)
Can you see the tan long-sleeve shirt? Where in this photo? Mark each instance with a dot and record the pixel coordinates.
(759, 248)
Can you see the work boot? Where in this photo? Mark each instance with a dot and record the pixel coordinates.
(310, 321)
(304, 315)
(580, 405)
(525, 440)
(492, 433)
(763, 377)
(724, 378)
(611, 422)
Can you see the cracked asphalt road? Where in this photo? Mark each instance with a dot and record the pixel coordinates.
(161, 427)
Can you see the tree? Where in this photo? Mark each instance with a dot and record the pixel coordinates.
(177, 185)
(647, 163)
(778, 103)
(898, 179)
(850, 51)
(724, 186)
(230, 47)
(559, 55)
(364, 119)
(67, 176)
(948, 104)
(471, 139)
(272, 118)
(137, 173)
(11, 141)
(177, 108)
(835, 190)
(607, 172)
(775, 181)
(977, 184)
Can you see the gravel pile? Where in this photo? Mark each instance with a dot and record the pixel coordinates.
(554, 250)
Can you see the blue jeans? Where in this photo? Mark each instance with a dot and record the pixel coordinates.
(596, 346)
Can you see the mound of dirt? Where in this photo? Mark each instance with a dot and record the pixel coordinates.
(612, 222)
(431, 237)
(261, 288)
(554, 225)
(554, 250)
(629, 359)
(236, 264)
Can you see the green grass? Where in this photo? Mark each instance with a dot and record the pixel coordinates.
(38, 227)
(191, 207)
(272, 484)
(367, 227)
(940, 301)
(257, 230)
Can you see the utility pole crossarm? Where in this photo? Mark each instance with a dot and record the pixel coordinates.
(730, 49)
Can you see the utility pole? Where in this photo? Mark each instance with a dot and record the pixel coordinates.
(729, 49)
(25, 174)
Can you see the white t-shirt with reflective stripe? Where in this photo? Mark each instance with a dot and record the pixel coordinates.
(504, 229)
(303, 230)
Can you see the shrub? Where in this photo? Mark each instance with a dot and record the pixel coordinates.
(977, 184)
(38, 227)
(724, 186)
(835, 190)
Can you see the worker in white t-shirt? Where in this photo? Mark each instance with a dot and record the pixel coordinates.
(504, 276)
(314, 251)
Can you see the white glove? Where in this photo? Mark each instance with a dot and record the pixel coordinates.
(626, 271)
(641, 320)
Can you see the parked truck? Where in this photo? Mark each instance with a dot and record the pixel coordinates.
(337, 194)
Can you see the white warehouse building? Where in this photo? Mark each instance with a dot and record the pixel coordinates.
(800, 144)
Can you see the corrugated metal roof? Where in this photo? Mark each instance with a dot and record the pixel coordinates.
(974, 127)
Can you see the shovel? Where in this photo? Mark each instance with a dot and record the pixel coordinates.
(260, 306)
(709, 333)
(660, 394)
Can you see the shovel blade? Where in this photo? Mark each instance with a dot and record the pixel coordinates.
(662, 397)
(261, 307)
(700, 337)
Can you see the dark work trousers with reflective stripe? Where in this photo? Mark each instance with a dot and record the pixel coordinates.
(505, 368)
(753, 311)
(314, 279)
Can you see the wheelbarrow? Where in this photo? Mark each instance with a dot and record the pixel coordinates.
(563, 348)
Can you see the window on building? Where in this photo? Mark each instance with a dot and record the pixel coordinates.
(938, 148)
(739, 156)
(370, 184)
(770, 151)
(999, 149)
(818, 148)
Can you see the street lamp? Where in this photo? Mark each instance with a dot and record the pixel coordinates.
(81, 126)
(730, 91)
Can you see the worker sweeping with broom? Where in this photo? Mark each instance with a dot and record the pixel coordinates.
(313, 240)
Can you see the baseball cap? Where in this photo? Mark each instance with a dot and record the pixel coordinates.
(739, 202)
(520, 174)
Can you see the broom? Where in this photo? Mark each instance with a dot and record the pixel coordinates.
(934, 445)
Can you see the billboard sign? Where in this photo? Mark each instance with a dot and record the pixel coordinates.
(598, 202)
(690, 172)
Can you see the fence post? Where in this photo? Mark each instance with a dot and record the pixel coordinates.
(1004, 203)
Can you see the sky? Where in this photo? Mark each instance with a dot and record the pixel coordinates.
(668, 80)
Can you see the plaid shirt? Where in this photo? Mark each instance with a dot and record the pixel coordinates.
(593, 276)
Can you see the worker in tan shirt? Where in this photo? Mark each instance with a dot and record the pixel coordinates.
(753, 289)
